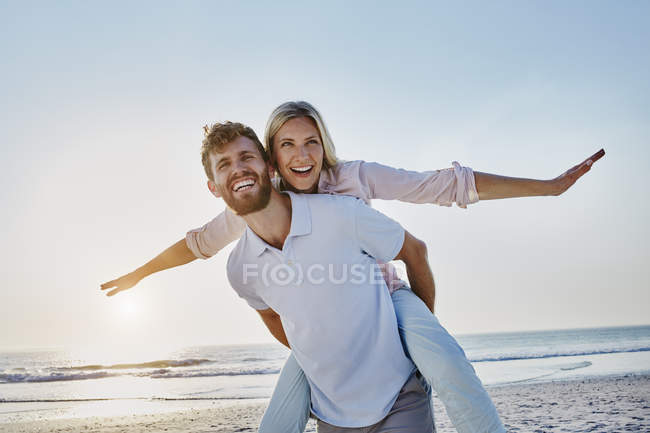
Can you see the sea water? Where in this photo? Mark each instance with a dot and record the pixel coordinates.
(67, 383)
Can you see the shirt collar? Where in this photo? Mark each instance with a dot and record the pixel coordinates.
(300, 223)
(326, 179)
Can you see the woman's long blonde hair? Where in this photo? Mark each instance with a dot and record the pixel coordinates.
(290, 110)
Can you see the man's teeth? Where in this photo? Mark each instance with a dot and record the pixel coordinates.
(243, 184)
(302, 169)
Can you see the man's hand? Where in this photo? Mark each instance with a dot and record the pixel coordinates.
(569, 177)
(125, 282)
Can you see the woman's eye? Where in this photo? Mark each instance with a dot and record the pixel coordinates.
(285, 144)
(313, 142)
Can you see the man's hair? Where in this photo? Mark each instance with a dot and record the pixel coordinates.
(219, 135)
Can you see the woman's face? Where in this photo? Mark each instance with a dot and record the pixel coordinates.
(298, 154)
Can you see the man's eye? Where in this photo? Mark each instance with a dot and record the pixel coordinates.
(222, 166)
(247, 157)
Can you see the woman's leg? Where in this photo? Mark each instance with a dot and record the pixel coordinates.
(288, 410)
(443, 363)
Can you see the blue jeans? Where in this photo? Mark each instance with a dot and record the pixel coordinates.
(437, 355)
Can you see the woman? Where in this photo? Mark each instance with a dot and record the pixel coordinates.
(302, 152)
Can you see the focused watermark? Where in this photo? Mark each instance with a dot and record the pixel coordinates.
(286, 274)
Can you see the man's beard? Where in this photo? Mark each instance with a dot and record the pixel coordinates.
(252, 202)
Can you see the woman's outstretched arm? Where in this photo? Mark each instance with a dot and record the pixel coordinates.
(492, 186)
(202, 243)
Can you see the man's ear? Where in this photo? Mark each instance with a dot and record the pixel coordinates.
(213, 189)
(271, 169)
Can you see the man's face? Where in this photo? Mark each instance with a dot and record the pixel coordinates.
(241, 176)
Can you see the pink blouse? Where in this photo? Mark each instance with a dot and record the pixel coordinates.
(365, 180)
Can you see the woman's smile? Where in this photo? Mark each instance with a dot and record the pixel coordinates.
(298, 154)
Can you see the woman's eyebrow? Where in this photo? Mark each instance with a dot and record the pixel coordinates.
(291, 139)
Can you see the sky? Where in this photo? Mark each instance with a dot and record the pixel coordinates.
(102, 107)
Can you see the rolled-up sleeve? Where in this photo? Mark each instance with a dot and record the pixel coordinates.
(208, 240)
(441, 187)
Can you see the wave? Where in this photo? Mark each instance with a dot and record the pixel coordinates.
(242, 372)
(52, 377)
(157, 374)
(165, 363)
(515, 357)
(169, 369)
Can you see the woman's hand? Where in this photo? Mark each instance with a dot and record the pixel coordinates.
(569, 177)
(492, 186)
(125, 282)
(176, 255)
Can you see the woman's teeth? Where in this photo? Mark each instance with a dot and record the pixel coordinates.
(302, 170)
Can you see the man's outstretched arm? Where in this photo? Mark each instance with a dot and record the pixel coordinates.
(273, 322)
(414, 256)
(492, 186)
(176, 255)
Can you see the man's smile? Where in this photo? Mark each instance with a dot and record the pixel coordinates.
(243, 185)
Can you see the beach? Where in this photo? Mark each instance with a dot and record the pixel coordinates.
(603, 404)
(575, 380)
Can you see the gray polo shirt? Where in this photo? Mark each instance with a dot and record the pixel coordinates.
(335, 308)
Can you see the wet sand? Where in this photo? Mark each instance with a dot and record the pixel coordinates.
(608, 404)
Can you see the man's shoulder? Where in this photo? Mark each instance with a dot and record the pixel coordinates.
(332, 208)
(338, 200)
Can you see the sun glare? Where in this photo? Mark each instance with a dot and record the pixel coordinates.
(129, 308)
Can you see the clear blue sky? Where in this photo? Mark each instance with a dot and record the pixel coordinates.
(102, 106)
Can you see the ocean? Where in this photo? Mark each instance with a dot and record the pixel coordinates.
(44, 383)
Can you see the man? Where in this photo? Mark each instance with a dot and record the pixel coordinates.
(307, 264)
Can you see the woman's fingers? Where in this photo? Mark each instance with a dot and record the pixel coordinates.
(107, 285)
(596, 156)
(593, 158)
(585, 165)
(118, 285)
(569, 177)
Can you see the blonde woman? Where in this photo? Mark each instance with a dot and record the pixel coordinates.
(304, 157)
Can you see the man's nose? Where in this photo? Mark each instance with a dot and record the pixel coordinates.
(239, 165)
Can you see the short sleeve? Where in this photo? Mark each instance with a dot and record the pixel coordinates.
(209, 239)
(245, 290)
(378, 235)
(252, 299)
